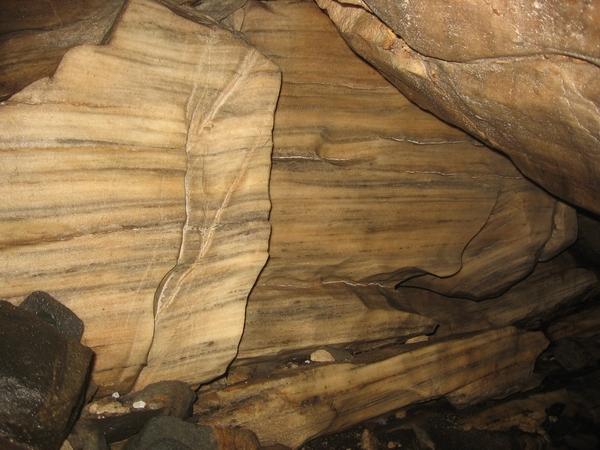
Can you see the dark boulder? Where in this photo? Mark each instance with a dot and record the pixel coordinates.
(42, 379)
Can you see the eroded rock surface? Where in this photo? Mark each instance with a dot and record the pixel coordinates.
(367, 188)
(521, 76)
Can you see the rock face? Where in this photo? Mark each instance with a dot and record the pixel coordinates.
(397, 194)
(396, 197)
(521, 76)
(135, 187)
(42, 380)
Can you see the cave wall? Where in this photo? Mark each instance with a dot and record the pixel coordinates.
(217, 189)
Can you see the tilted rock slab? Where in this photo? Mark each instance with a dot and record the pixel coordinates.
(553, 285)
(294, 406)
(135, 191)
(522, 76)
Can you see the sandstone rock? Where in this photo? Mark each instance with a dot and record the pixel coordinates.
(286, 321)
(559, 283)
(576, 338)
(42, 380)
(330, 354)
(368, 189)
(583, 324)
(521, 76)
(575, 355)
(218, 9)
(295, 405)
(34, 36)
(143, 160)
(587, 246)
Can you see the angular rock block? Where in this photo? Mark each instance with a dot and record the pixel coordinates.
(54, 313)
(521, 76)
(135, 189)
(42, 380)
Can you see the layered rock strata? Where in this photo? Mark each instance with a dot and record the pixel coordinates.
(290, 407)
(521, 76)
(135, 187)
(34, 36)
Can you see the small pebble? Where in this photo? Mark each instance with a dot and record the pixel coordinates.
(140, 404)
(414, 340)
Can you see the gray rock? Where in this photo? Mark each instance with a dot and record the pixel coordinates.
(172, 433)
(175, 398)
(111, 420)
(42, 380)
(55, 313)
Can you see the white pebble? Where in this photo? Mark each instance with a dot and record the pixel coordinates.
(140, 404)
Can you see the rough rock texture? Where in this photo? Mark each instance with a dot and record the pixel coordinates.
(112, 419)
(143, 160)
(54, 313)
(42, 380)
(522, 76)
(34, 36)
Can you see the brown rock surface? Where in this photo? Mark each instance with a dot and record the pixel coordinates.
(552, 285)
(366, 188)
(521, 76)
(285, 321)
(142, 161)
(35, 34)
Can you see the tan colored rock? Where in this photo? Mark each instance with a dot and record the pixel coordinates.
(293, 406)
(553, 285)
(465, 31)
(366, 188)
(34, 36)
(521, 76)
(287, 321)
(135, 190)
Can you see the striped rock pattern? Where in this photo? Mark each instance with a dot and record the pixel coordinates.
(135, 191)
(522, 76)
